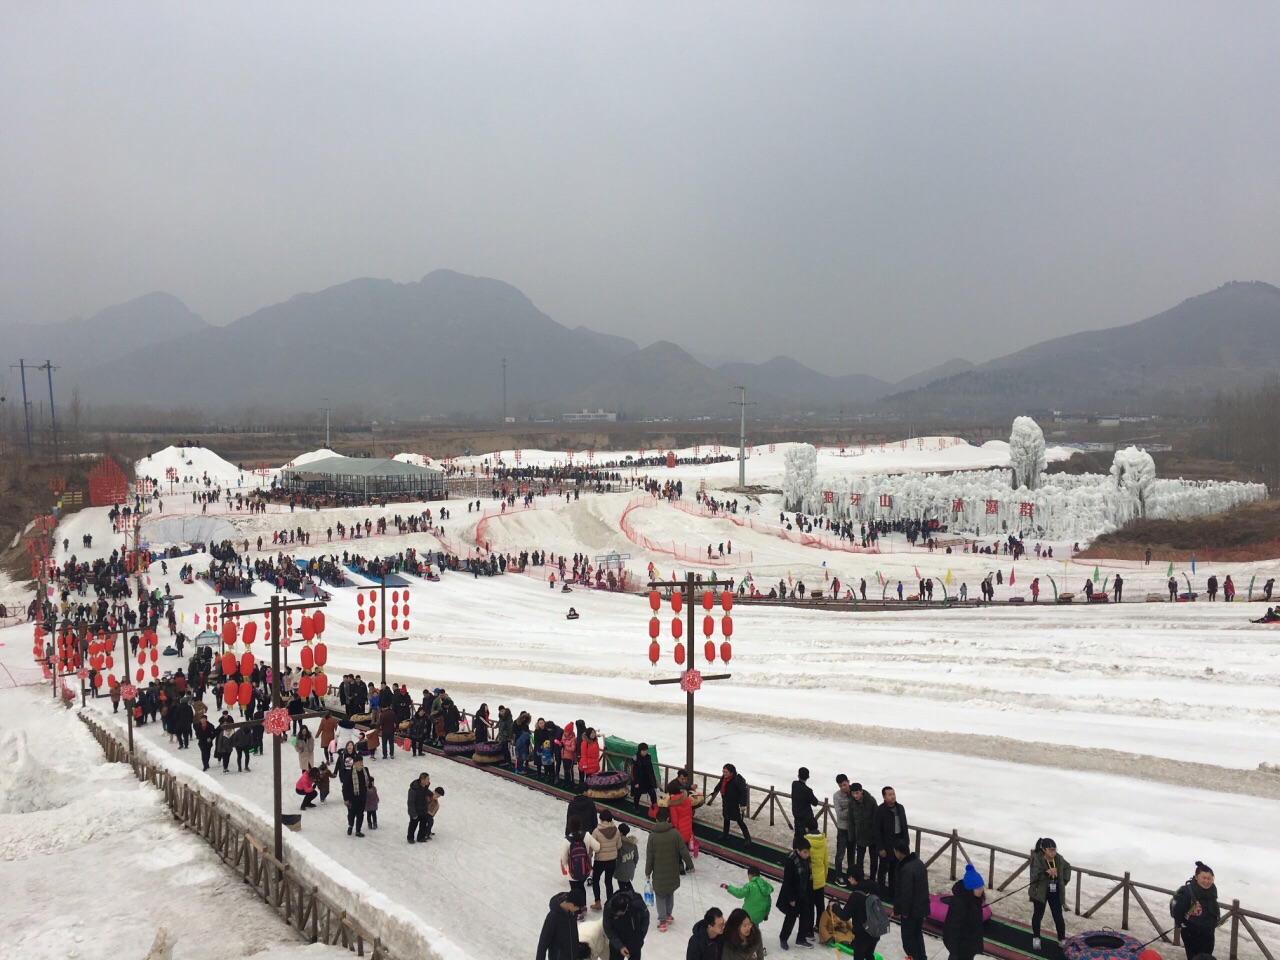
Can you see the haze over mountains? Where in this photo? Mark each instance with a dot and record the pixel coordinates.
(435, 347)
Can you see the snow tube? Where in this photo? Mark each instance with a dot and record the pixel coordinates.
(607, 793)
(468, 737)
(939, 904)
(292, 820)
(459, 749)
(607, 781)
(490, 752)
(1017, 599)
(1102, 945)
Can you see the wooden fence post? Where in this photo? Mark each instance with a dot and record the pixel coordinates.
(955, 851)
(1124, 910)
(1235, 928)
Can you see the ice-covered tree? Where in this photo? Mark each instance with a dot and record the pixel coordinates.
(1026, 453)
(799, 476)
(1134, 473)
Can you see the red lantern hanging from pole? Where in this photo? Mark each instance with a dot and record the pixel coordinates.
(655, 652)
(709, 651)
(679, 653)
(726, 651)
(706, 600)
(655, 600)
(726, 600)
(320, 684)
(726, 626)
(708, 625)
(677, 627)
(322, 654)
(677, 601)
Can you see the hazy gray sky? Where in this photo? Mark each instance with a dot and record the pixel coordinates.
(867, 186)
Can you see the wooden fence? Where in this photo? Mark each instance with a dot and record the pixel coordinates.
(301, 905)
(1141, 902)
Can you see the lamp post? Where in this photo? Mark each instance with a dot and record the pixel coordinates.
(690, 680)
(270, 722)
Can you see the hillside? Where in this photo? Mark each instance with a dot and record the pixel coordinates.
(1169, 363)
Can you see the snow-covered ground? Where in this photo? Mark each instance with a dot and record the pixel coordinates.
(93, 863)
(1132, 734)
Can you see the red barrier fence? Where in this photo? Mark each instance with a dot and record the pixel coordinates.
(681, 551)
(822, 541)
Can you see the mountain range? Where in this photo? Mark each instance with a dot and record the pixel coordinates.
(436, 347)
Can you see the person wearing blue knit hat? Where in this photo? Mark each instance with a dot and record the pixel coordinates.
(962, 930)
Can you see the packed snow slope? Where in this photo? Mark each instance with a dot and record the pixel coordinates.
(94, 863)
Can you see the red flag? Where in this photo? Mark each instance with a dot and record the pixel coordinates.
(1011, 578)
(918, 577)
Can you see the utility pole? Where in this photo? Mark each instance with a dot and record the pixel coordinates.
(504, 389)
(742, 437)
(53, 420)
(26, 406)
(327, 408)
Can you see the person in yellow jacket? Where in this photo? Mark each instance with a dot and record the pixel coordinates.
(832, 928)
(818, 868)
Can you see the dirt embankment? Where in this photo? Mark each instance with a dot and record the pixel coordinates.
(1248, 532)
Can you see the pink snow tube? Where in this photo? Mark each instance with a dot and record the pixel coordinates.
(939, 904)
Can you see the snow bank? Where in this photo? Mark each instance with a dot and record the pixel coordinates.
(157, 530)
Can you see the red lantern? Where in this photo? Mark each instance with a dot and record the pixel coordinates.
(230, 691)
(308, 659)
(726, 626)
(395, 625)
(679, 653)
(655, 651)
(677, 600)
(246, 694)
(677, 627)
(246, 664)
(155, 671)
(360, 628)
(112, 682)
(155, 655)
(706, 600)
(360, 599)
(97, 679)
(308, 629)
(655, 600)
(708, 625)
(322, 654)
(111, 663)
(317, 622)
(320, 684)
(249, 634)
(228, 664)
(655, 628)
(141, 674)
(395, 596)
(360, 616)
(726, 600)
(228, 632)
(304, 687)
(726, 651)
(709, 651)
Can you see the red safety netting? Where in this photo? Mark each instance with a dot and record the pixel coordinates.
(681, 551)
(820, 540)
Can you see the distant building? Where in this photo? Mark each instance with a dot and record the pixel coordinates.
(587, 415)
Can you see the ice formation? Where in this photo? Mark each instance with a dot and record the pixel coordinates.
(1026, 453)
(979, 502)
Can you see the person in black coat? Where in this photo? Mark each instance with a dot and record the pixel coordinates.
(855, 911)
(707, 937)
(802, 803)
(559, 937)
(643, 778)
(419, 795)
(626, 923)
(355, 794)
(736, 794)
(793, 896)
(206, 733)
(584, 808)
(888, 826)
(910, 898)
(962, 930)
(181, 716)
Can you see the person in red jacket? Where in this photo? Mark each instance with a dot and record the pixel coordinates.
(568, 751)
(681, 808)
(589, 753)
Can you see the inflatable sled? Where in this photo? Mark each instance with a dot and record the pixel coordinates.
(939, 904)
(612, 785)
(489, 753)
(1102, 945)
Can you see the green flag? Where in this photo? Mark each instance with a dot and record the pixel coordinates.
(1095, 574)
(1170, 573)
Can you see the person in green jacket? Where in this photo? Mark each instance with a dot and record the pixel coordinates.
(1050, 874)
(756, 895)
(862, 806)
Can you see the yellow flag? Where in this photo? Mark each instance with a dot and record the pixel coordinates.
(948, 580)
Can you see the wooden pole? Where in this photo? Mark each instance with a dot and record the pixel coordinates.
(128, 708)
(382, 604)
(688, 665)
(275, 741)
